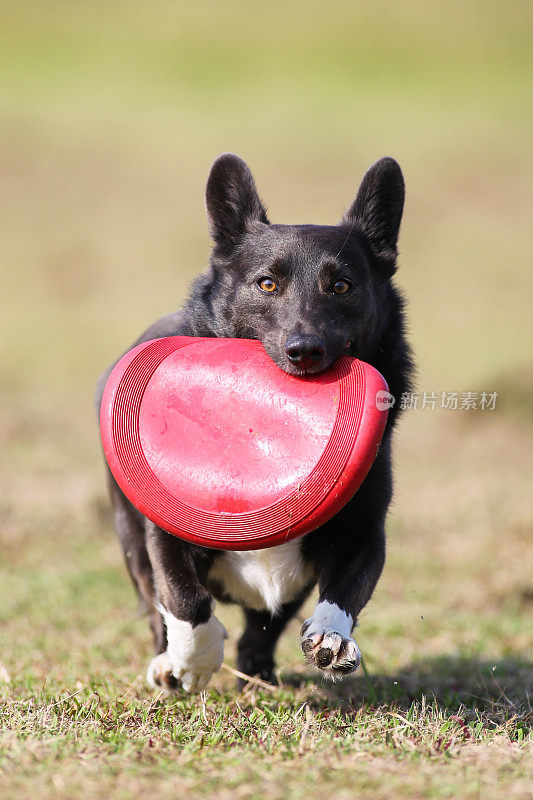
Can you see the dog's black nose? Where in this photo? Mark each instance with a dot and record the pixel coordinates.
(305, 351)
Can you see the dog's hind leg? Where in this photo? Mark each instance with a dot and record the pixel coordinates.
(257, 644)
(130, 527)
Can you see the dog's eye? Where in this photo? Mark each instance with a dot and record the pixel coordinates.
(341, 287)
(267, 285)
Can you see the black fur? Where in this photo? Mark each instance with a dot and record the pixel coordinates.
(303, 316)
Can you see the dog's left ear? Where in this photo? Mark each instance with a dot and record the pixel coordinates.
(378, 208)
(232, 200)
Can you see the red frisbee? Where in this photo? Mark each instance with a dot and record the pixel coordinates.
(214, 443)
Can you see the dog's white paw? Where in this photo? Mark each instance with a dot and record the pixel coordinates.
(326, 641)
(194, 653)
(159, 674)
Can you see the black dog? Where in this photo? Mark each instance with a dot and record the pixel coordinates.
(308, 293)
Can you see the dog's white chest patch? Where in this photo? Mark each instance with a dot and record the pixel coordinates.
(263, 579)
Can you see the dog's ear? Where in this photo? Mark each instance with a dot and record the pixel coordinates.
(232, 200)
(378, 208)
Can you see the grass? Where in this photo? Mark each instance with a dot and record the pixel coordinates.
(109, 120)
(226, 738)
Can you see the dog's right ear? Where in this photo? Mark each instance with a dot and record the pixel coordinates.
(232, 200)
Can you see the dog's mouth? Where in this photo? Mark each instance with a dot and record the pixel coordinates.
(302, 372)
(307, 370)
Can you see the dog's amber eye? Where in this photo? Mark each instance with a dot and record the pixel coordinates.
(341, 287)
(267, 285)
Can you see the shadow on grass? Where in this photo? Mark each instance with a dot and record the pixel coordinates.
(500, 689)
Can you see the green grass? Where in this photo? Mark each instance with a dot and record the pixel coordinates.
(110, 115)
(221, 743)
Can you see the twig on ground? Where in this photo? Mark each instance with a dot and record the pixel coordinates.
(250, 679)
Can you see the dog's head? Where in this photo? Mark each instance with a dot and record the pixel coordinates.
(307, 292)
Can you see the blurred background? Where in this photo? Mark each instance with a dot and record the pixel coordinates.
(111, 114)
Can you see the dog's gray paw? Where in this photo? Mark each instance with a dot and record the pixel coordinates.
(326, 649)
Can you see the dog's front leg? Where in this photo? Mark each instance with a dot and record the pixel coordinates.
(348, 554)
(346, 582)
(195, 637)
